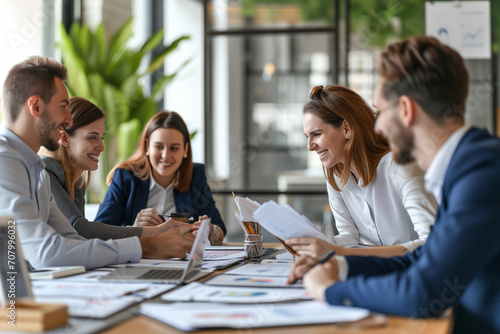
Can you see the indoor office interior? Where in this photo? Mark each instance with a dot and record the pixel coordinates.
(240, 77)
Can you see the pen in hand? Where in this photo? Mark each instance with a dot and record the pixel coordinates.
(325, 258)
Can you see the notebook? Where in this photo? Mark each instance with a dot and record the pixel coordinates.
(190, 273)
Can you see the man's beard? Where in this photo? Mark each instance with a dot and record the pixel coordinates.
(45, 130)
(403, 146)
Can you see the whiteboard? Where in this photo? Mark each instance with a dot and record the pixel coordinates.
(463, 25)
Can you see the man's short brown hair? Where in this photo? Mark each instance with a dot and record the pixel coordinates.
(34, 76)
(432, 74)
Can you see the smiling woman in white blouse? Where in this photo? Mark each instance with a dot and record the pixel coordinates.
(376, 202)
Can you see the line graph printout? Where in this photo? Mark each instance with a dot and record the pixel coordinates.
(465, 26)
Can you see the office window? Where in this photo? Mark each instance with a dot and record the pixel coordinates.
(262, 59)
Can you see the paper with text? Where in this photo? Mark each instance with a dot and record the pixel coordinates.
(285, 222)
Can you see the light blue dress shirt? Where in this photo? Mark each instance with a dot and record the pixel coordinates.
(46, 236)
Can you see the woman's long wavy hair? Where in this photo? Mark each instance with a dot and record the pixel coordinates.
(139, 163)
(84, 113)
(364, 149)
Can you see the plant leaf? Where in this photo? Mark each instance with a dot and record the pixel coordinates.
(127, 138)
(74, 33)
(115, 107)
(160, 85)
(157, 62)
(152, 43)
(144, 111)
(102, 46)
(77, 77)
(83, 42)
(121, 68)
(129, 86)
(96, 83)
(120, 38)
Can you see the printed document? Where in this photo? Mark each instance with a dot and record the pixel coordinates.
(189, 316)
(285, 222)
(199, 292)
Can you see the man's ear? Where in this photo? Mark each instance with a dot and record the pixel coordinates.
(64, 139)
(407, 110)
(35, 105)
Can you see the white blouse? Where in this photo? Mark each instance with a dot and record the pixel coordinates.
(162, 199)
(394, 209)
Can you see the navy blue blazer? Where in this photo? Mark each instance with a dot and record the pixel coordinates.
(127, 195)
(459, 265)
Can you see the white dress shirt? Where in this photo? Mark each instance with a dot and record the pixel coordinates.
(45, 235)
(394, 209)
(159, 198)
(434, 178)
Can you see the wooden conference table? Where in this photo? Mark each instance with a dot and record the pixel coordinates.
(372, 325)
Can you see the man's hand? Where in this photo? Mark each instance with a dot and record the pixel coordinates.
(216, 235)
(196, 226)
(318, 279)
(175, 242)
(312, 247)
(301, 267)
(148, 217)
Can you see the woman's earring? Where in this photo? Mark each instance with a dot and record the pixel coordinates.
(348, 136)
(185, 156)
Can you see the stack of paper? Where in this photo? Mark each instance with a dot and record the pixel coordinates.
(246, 208)
(196, 316)
(285, 222)
(244, 215)
(87, 298)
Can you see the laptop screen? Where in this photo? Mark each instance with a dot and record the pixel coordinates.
(196, 256)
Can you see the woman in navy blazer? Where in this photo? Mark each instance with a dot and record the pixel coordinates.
(163, 161)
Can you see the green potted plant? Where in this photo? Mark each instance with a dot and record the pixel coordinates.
(108, 74)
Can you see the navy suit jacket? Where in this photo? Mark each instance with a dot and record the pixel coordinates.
(459, 265)
(127, 195)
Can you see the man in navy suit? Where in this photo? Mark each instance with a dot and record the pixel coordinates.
(421, 105)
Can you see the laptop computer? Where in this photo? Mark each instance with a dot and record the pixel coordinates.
(190, 273)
